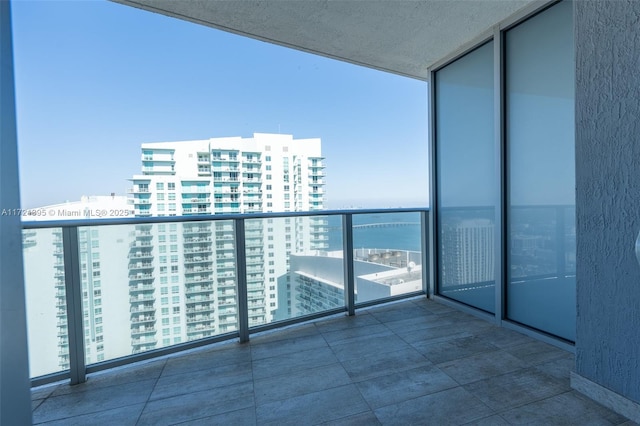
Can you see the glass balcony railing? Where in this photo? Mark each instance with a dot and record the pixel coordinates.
(391, 269)
(152, 286)
(46, 301)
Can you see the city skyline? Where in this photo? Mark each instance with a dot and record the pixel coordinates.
(91, 87)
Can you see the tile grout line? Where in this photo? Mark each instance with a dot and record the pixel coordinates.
(164, 365)
(351, 381)
(462, 386)
(43, 401)
(566, 392)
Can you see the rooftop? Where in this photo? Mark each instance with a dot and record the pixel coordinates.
(410, 362)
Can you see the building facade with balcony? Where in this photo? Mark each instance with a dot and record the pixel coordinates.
(265, 173)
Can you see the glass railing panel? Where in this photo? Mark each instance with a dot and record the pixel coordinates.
(150, 286)
(294, 267)
(387, 255)
(46, 303)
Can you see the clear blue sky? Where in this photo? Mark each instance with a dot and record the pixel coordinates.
(95, 79)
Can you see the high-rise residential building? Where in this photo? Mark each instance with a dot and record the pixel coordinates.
(174, 282)
(182, 278)
(265, 173)
(45, 282)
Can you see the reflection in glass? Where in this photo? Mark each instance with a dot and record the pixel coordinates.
(540, 145)
(467, 187)
(44, 279)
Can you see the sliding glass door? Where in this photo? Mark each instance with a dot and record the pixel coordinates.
(467, 185)
(505, 185)
(539, 96)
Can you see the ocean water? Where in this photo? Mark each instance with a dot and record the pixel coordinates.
(396, 231)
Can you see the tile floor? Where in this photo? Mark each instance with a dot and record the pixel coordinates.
(413, 362)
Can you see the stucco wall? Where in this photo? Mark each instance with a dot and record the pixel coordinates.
(608, 193)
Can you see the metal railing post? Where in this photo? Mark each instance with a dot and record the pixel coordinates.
(73, 293)
(349, 276)
(241, 280)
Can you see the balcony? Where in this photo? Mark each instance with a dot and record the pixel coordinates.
(141, 255)
(142, 319)
(198, 279)
(142, 298)
(149, 341)
(196, 200)
(198, 299)
(200, 309)
(198, 249)
(140, 265)
(195, 319)
(434, 350)
(143, 233)
(199, 289)
(192, 240)
(226, 284)
(251, 170)
(138, 190)
(140, 276)
(141, 288)
(385, 365)
(198, 269)
(188, 230)
(140, 243)
(142, 330)
(142, 308)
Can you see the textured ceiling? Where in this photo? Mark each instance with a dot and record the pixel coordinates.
(403, 37)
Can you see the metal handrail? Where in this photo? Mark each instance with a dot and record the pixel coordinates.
(199, 218)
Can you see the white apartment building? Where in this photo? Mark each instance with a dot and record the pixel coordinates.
(100, 249)
(265, 173)
(149, 286)
(182, 275)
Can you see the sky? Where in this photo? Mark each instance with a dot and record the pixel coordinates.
(96, 79)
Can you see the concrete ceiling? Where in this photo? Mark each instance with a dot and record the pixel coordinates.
(399, 36)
